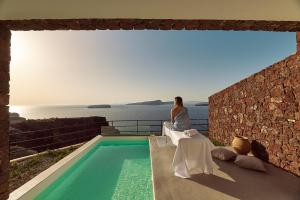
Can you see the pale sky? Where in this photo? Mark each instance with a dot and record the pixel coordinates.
(97, 67)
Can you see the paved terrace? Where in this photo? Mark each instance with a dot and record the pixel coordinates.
(228, 182)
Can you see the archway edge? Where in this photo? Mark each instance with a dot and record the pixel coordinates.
(150, 24)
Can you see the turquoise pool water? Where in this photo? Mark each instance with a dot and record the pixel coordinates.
(114, 169)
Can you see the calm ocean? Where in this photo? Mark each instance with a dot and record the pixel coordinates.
(116, 112)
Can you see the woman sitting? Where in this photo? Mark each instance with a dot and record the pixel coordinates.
(180, 119)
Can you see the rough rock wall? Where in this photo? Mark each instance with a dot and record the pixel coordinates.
(4, 99)
(264, 107)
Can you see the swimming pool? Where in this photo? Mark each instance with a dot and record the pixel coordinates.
(113, 168)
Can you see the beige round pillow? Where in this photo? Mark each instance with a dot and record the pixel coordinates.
(250, 162)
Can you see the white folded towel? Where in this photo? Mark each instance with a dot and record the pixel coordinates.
(191, 132)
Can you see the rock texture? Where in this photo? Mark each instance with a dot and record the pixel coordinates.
(264, 107)
(4, 115)
(153, 24)
(262, 124)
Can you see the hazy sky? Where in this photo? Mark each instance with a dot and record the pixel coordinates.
(95, 67)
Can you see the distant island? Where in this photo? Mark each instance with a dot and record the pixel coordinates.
(202, 104)
(153, 103)
(100, 106)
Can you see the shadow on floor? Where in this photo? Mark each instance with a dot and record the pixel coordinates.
(247, 184)
(229, 182)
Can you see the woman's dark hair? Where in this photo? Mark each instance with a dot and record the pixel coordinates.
(178, 101)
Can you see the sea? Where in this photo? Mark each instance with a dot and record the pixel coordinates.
(116, 112)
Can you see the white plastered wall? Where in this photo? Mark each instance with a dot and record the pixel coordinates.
(272, 10)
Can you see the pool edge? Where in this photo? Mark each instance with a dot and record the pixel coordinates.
(33, 187)
(152, 177)
(30, 189)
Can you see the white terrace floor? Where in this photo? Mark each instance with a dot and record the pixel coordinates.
(228, 182)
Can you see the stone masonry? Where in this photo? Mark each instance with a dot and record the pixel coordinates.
(152, 24)
(4, 99)
(263, 107)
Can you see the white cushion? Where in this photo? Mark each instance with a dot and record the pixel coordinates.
(223, 154)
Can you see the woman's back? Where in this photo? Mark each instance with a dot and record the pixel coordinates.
(182, 120)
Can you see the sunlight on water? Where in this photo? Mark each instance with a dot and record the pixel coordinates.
(16, 109)
(130, 184)
(116, 112)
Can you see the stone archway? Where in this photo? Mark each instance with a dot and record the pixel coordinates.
(102, 24)
(4, 116)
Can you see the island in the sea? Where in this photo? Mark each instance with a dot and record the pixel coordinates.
(202, 104)
(153, 103)
(100, 106)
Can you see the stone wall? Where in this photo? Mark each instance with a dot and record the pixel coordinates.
(150, 24)
(264, 107)
(4, 99)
